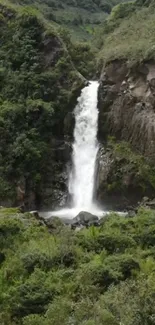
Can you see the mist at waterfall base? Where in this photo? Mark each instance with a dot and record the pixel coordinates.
(85, 148)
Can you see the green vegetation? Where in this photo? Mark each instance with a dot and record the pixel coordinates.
(81, 17)
(129, 33)
(101, 275)
(130, 162)
(57, 276)
(38, 84)
(83, 55)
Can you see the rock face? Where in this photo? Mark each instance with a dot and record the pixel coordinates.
(127, 112)
(54, 190)
(127, 105)
(119, 186)
(146, 203)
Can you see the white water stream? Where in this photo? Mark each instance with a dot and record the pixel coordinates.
(85, 149)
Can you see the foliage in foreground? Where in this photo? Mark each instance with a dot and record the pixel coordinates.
(101, 275)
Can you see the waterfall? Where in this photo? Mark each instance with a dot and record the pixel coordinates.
(85, 148)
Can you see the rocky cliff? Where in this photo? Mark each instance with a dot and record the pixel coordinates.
(126, 105)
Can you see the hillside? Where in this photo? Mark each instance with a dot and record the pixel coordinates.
(80, 17)
(129, 33)
(39, 86)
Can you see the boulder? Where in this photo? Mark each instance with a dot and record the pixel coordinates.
(130, 214)
(147, 203)
(54, 223)
(35, 214)
(151, 204)
(85, 219)
(38, 217)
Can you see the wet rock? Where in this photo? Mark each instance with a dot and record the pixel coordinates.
(147, 203)
(85, 219)
(144, 200)
(38, 217)
(35, 214)
(151, 204)
(130, 214)
(54, 223)
(69, 123)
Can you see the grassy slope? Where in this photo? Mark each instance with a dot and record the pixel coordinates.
(132, 37)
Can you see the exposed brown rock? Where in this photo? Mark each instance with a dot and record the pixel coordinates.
(52, 49)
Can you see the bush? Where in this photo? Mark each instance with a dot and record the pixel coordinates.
(34, 295)
(114, 243)
(122, 10)
(65, 276)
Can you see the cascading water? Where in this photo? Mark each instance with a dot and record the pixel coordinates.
(85, 148)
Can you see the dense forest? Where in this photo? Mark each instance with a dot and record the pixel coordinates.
(50, 273)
